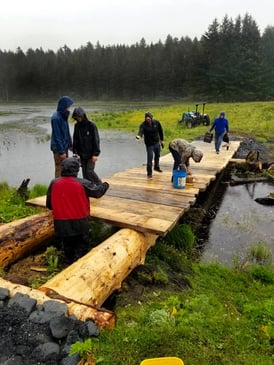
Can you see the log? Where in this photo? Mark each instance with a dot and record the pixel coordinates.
(102, 318)
(20, 237)
(95, 276)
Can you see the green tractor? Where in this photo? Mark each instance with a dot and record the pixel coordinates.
(193, 119)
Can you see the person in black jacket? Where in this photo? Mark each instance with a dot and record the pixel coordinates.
(68, 198)
(86, 144)
(153, 134)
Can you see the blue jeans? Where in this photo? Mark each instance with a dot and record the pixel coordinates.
(176, 157)
(153, 150)
(218, 138)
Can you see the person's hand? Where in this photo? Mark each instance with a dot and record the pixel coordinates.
(94, 158)
(188, 170)
(162, 144)
(63, 156)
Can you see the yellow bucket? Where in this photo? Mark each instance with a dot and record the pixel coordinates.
(163, 361)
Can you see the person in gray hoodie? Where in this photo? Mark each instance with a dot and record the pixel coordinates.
(86, 144)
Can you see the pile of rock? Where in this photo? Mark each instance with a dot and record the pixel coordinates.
(32, 334)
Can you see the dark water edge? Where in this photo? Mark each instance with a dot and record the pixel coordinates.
(240, 224)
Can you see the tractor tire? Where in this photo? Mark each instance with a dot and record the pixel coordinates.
(206, 120)
(189, 124)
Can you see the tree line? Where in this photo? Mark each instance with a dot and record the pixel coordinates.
(232, 61)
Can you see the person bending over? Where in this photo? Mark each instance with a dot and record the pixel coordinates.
(182, 151)
(68, 198)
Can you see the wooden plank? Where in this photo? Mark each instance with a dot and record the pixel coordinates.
(153, 205)
(165, 198)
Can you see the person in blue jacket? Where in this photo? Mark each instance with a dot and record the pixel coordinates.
(220, 125)
(61, 141)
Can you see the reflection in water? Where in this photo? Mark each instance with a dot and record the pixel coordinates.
(240, 223)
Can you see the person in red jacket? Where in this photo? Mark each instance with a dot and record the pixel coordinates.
(68, 198)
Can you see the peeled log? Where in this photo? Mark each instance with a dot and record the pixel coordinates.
(102, 318)
(95, 276)
(20, 237)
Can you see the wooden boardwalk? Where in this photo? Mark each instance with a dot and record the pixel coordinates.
(153, 205)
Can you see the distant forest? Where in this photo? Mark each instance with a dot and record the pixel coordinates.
(231, 62)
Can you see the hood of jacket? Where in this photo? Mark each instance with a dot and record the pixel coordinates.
(70, 167)
(79, 112)
(63, 103)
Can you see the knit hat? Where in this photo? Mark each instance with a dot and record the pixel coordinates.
(222, 113)
(148, 114)
(70, 167)
(197, 155)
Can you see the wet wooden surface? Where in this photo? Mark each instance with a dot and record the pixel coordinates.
(154, 205)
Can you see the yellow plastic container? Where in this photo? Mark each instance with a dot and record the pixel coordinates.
(163, 361)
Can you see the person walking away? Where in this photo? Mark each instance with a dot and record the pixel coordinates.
(152, 132)
(86, 144)
(220, 125)
(68, 198)
(61, 141)
(182, 151)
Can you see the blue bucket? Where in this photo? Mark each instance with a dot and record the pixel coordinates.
(179, 179)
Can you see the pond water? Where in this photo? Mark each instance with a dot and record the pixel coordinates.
(25, 148)
(25, 153)
(240, 224)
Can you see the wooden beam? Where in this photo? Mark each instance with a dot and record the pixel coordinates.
(103, 318)
(20, 237)
(95, 276)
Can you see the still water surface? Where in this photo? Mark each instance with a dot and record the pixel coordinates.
(240, 224)
(25, 150)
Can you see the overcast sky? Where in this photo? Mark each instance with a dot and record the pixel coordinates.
(51, 24)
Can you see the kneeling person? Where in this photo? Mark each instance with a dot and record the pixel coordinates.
(68, 198)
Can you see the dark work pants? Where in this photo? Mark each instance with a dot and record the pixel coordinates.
(75, 247)
(176, 157)
(88, 171)
(153, 150)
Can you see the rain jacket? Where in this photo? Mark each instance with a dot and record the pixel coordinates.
(68, 198)
(152, 132)
(220, 125)
(61, 140)
(185, 150)
(86, 142)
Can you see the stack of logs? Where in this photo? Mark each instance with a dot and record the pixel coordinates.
(88, 282)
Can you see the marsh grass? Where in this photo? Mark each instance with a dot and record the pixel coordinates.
(12, 205)
(254, 120)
